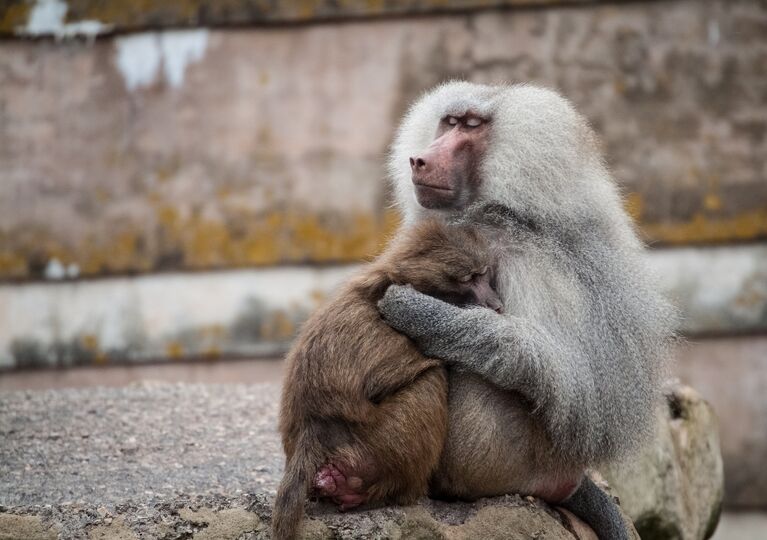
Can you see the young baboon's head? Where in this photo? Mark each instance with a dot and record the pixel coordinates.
(450, 262)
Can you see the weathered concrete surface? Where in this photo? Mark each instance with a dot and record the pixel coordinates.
(675, 487)
(167, 316)
(65, 18)
(732, 374)
(256, 312)
(741, 526)
(191, 149)
(241, 371)
(247, 517)
(150, 441)
(720, 290)
(200, 461)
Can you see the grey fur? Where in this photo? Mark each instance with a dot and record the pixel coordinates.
(585, 338)
(594, 380)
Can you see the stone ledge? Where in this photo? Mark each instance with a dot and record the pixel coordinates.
(247, 516)
(203, 461)
(241, 313)
(156, 460)
(93, 17)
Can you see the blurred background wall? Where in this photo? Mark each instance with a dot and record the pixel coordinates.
(189, 179)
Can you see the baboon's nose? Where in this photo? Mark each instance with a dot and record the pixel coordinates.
(417, 163)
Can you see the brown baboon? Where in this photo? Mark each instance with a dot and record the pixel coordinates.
(364, 414)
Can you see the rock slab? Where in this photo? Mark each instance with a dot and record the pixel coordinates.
(199, 461)
(674, 488)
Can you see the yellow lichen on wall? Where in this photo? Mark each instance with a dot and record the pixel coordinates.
(275, 237)
(211, 353)
(139, 13)
(179, 241)
(12, 265)
(14, 17)
(634, 206)
(706, 226)
(131, 12)
(90, 343)
(173, 239)
(122, 15)
(174, 350)
(120, 254)
(706, 229)
(278, 327)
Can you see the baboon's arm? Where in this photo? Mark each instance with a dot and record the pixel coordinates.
(395, 372)
(509, 352)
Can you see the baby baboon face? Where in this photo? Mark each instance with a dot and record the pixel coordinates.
(452, 263)
(475, 288)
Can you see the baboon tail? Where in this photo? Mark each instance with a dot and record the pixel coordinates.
(598, 510)
(291, 495)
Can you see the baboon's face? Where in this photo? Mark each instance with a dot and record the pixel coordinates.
(461, 276)
(474, 289)
(445, 175)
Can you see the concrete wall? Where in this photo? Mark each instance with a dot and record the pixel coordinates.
(160, 316)
(190, 178)
(90, 18)
(256, 311)
(732, 374)
(203, 149)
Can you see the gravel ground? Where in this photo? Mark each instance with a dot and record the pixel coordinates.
(149, 441)
(181, 461)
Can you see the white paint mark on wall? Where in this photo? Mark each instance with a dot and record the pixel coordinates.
(713, 33)
(141, 56)
(138, 59)
(179, 49)
(73, 270)
(47, 18)
(54, 270)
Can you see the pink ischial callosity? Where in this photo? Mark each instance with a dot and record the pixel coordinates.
(346, 491)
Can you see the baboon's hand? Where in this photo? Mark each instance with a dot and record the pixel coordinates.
(425, 319)
(478, 339)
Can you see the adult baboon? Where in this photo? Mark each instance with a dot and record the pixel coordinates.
(569, 376)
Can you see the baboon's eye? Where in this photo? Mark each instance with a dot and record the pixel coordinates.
(452, 120)
(473, 121)
(466, 279)
(482, 271)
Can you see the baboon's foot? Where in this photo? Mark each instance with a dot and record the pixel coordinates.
(340, 485)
